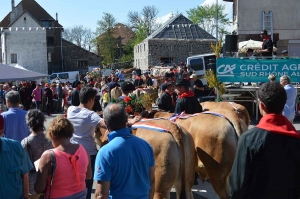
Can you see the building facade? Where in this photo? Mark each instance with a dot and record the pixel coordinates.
(31, 29)
(248, 22)
(173, 42)
(23, 46)
(77, 58)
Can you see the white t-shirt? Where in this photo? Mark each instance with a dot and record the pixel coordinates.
(85, 123)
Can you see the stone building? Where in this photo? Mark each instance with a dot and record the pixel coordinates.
(173, 42)
(77, 58)
(248, 22)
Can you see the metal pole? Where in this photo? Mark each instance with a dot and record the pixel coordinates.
(217, 19)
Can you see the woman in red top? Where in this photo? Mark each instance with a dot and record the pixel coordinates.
(72, 164)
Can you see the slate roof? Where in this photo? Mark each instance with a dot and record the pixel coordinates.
(180, 27)
(32, 7)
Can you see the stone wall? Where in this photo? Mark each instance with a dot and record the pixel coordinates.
(150, 52)
(76, 58)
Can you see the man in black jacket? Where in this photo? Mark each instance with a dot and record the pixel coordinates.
(167, 100)
(148, 79)
(267, 161)
(186, 101)
(267, 46)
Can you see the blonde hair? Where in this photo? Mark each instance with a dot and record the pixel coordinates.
(59, 128)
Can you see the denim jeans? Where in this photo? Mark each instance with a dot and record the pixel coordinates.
(37, 104)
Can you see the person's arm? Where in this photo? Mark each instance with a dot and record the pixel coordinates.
(199, 86)
(101, 124)
(25, 184)
(179, 107)
(43, 171)
(161, 105)
(152, 182)
(102, 190)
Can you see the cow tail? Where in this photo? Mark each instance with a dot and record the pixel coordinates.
(180, 142)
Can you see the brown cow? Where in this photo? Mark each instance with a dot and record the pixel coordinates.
(215, 141)
(175, 157)
(240, 109)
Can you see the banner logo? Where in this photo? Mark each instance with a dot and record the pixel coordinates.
(226, 70)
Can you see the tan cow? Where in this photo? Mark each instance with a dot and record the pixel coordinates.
(215, 141)
(240, 109)
(175, 157)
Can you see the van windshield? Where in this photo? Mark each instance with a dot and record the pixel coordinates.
(196, 64)
(53, 76)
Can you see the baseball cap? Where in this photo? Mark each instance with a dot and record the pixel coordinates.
(284, 51)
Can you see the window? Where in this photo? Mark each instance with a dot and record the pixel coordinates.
(144, 47)
(167, 60)
(63, 76)
(82, 64)
(13, 58)
(53, 76)
(50, 41)
(49, 57)
(47, 23)
(197, 64)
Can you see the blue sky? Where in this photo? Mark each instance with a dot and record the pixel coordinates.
(88, 12)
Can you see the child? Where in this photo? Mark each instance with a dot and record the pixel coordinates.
(105, 96)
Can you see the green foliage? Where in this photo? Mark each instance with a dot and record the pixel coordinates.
(141, 34)
(108, 47)
(205, 17)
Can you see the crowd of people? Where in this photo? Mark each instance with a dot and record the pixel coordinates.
(63, 161)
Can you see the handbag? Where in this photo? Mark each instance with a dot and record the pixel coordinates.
(52, 169)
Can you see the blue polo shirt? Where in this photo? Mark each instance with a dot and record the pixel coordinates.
(14, 163)
(15, 124)
(125, 162)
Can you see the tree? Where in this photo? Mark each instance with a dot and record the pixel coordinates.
(80, 36)
(205, 17)
(106, 43)
(146, 18)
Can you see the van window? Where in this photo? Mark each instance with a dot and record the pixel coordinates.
(63, 76)
(207, 59)
(53, 76)
(196, 64)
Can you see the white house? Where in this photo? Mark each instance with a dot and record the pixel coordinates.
(24, 43)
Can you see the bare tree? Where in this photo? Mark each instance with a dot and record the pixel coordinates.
(146, 18)
(79, 35)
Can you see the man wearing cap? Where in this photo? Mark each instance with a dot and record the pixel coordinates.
(285, 54)
(167, 100)
(167, 77)
(267, 46)
(186, 102)
(197, 87)
(148, 79)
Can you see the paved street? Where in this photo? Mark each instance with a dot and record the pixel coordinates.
(202, 190)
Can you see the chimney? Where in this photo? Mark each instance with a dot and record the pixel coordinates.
(12, 5)
(56, 17)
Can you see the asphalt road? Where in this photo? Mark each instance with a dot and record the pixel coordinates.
(204, 189)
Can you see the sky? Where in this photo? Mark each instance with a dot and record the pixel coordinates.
(88, 12)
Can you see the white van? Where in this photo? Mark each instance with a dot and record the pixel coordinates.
(70, 76)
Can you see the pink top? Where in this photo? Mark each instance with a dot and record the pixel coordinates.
(37, 94)
(70, 173)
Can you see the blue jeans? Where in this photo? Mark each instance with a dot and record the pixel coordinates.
(37, 104)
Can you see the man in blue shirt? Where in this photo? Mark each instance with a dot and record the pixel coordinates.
(124, 167)
(15, 166)
(16, 127)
